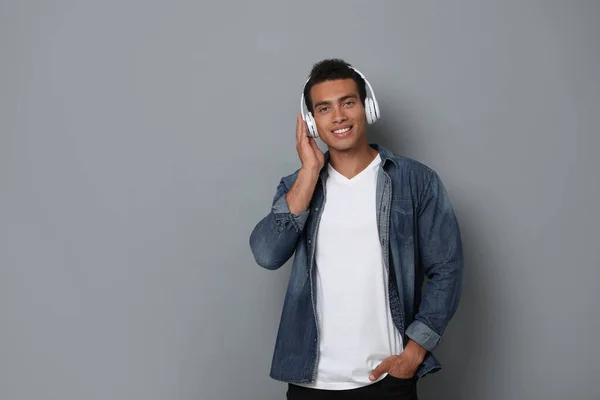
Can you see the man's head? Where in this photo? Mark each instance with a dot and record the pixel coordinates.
(335, 95)
(333, 69)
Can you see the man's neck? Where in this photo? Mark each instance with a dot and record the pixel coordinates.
(351, 162)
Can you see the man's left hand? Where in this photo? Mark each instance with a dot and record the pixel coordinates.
(402, 366)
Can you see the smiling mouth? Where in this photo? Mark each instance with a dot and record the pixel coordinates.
(342, 132)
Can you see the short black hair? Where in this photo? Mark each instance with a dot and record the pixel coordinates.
(333, 69)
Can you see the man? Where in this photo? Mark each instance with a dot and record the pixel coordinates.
(366, 226)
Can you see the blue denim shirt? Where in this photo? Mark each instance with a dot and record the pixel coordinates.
(419, 236)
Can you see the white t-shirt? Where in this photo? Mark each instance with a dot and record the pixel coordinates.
(356, 331)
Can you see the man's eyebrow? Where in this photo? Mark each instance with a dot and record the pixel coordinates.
(322, 103)
(328, 102)
(350, 96)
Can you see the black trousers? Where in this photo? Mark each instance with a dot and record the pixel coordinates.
(387, 388)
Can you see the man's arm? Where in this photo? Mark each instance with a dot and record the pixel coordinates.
(274, 238)
(440, 250)
(441, 257)
(299, 196)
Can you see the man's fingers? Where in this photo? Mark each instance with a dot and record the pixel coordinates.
(301, 135)
(381, 368)
(298, 127)
(304, 131)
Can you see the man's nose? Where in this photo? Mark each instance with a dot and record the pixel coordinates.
(338, 115)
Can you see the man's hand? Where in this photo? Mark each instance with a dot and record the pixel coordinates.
(403, 366)
(311, 157)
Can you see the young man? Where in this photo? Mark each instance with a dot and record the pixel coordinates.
(366, 226)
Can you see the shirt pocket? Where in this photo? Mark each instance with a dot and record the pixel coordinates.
(402, 224)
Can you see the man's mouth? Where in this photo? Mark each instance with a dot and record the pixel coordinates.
(342, 132)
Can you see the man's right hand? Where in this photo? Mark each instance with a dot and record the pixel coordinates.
(311, 157)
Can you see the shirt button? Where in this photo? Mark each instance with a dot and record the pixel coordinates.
(316, 208)
(309, 241)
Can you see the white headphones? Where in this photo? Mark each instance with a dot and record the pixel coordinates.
(371, 108)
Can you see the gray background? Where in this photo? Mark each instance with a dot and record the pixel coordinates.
(142, 140)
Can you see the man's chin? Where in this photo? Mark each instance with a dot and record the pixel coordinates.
(341, 147)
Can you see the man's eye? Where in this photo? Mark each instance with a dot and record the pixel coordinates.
(349, 102)
(323, 109)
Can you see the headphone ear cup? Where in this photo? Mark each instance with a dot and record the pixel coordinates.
(369, 110)
(312, 126)
(377, 115)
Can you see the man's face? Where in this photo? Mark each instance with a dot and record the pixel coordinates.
(339, 114)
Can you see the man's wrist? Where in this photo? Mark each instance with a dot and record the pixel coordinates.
(299, 196)
(312, 172)
(416, 350)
